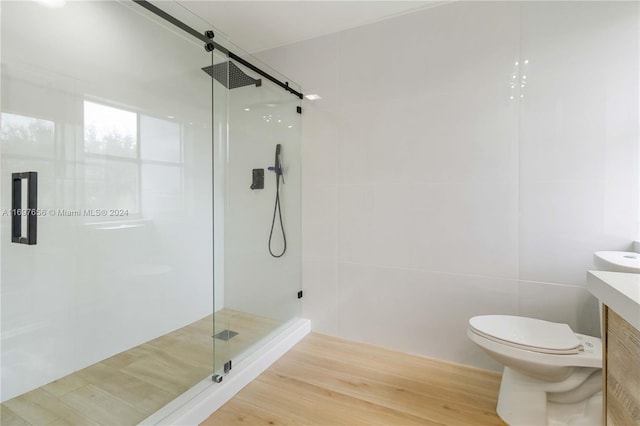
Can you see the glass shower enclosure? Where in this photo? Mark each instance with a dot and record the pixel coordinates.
(134, 251)
(261, 270)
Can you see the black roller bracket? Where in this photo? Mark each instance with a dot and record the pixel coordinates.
(300, 294)
(299, 109)
(18, 211)
(209, 47)
(209, 34)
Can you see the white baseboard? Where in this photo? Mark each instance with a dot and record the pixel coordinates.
(195, 405)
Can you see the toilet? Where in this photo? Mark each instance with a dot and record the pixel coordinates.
(552, 375)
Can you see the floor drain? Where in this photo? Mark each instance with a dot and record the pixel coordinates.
(225, 335)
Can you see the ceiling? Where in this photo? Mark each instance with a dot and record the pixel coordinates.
(260, 25)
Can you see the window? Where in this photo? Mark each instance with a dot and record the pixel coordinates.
(111, 169)
(160, 140)
(110, 131)
(132, 161)
(27, 136)
(29, 143)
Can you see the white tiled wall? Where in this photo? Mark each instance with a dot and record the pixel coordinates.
(254, 282)
(429, 195)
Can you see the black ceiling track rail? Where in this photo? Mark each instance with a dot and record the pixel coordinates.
(210, 44)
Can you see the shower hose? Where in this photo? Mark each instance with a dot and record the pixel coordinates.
(276, 210)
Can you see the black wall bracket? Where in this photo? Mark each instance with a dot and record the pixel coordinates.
(18, 211)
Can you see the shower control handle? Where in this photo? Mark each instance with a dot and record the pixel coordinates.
(257, 179)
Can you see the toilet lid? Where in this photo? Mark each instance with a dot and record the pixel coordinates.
(530, 333)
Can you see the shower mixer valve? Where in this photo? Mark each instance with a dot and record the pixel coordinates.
(257, 179)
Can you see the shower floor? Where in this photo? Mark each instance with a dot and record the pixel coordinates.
(130, 386)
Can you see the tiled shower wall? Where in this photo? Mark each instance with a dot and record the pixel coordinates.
(465, 159)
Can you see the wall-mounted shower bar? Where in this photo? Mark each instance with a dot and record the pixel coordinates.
(252, 67)
(178, 23)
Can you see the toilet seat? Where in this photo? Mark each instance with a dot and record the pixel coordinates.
(527, 333)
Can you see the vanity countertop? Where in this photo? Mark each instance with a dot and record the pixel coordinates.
(618, 290)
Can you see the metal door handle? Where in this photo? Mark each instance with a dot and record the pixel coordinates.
(17, 211)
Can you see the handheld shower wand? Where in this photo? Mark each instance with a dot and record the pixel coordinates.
(277, 168)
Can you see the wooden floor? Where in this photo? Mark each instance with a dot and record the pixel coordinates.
(321, 381)
(329, 381)
(128, 387)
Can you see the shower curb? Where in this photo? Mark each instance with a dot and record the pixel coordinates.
(195, 405)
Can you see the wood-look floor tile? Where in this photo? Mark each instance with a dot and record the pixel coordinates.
(39, 407)
(325, 380)
(167, 373)
(145, 396)
(102, 407)
(128, 387)
(9, 418)
(65, 385)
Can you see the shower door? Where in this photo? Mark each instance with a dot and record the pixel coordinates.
(262, 287)
(111, 108)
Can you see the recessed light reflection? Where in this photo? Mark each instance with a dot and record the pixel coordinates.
(171, 116)
(526, 61)
(288, 127)
(247, 109)
(517, 63)
(313, 97)
(51, 3)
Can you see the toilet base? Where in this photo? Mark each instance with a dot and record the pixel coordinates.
(523, 400)
(584, 413)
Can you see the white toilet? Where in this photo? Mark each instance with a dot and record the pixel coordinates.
(552, 376)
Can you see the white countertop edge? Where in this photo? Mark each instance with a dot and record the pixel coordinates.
(619, 291)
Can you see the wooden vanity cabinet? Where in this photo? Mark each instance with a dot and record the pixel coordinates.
(621, 370)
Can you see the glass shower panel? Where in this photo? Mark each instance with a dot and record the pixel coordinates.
(220, 78)
(112, 108)
(261, 290)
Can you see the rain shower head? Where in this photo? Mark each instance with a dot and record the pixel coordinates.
(236, 78)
